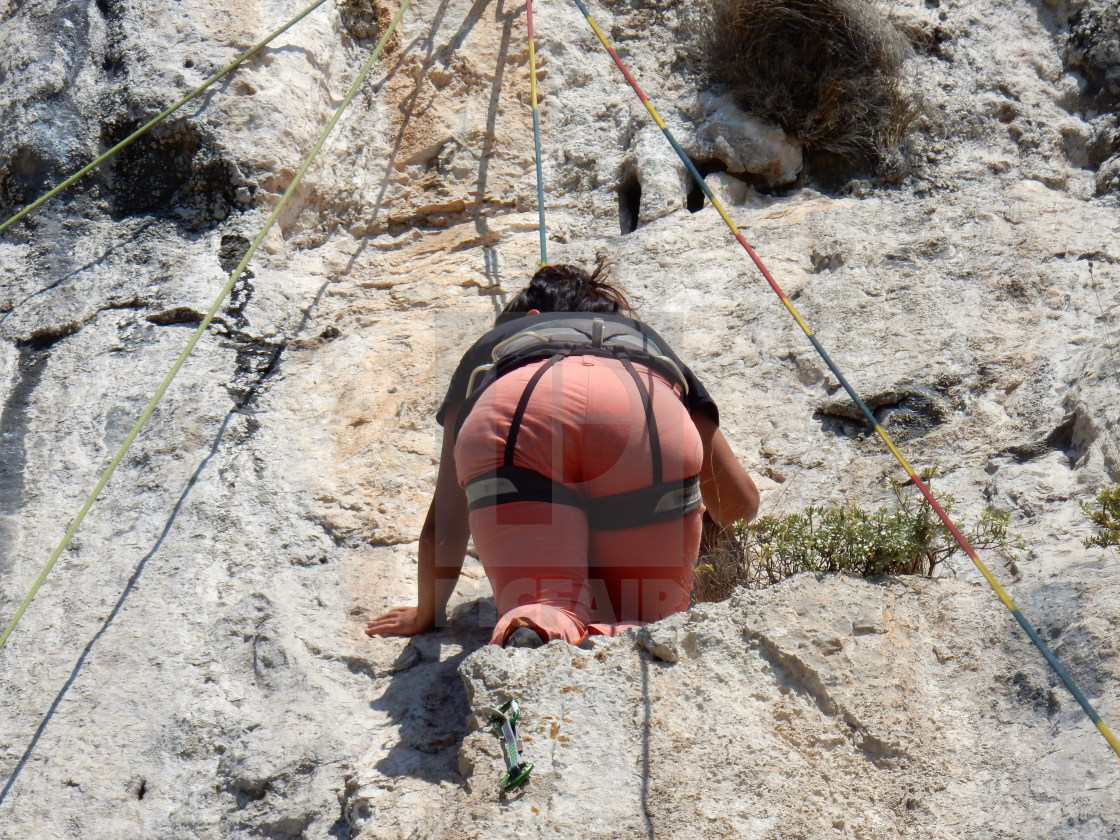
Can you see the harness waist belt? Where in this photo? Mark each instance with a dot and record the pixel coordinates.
(661, 502)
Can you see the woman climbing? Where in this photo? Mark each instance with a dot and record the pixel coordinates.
(580, 453)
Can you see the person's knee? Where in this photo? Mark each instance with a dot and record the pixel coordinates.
(547, 621)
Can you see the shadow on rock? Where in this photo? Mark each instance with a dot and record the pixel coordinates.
(426, 700)
(132, 582)
(252, 391)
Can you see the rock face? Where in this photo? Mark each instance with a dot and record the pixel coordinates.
(195, 667)
(819, 708)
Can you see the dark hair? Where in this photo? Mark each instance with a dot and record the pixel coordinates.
(568, 288)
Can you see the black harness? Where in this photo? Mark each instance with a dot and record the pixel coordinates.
(573, 335)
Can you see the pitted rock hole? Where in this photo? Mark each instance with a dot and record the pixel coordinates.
(1069, 437)
(113, 63)
(1038, 697)
(1092, 49)
(905, 412)
(696, 199)
(175, 171)
(175, 315)
(24, 177)
(912, 416)
(735, 187)
(359, 18)
(230, 252)
(256, 359)
(629, 203)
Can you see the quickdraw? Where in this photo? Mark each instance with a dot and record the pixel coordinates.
(504, 721)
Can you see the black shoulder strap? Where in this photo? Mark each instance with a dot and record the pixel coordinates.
(522, 404)
(647, 405)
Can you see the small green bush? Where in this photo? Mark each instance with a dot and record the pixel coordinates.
(1104, 513)
(906, 538)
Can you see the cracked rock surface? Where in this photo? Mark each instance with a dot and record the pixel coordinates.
(818, 706)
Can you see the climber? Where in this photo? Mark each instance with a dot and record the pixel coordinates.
(580, 454)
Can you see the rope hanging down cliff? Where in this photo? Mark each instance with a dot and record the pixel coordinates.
(536, 128)
(202, 327)
(161, 116)
(1051, 659)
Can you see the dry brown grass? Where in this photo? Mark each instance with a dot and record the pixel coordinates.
(828, 71)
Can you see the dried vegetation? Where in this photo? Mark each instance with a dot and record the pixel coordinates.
(830, 72)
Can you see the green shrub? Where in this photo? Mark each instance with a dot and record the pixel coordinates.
(906, 538)
(1104, 513)
(830, 72)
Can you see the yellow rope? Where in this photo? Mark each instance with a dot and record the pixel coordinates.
(234, 275)
(241, 59)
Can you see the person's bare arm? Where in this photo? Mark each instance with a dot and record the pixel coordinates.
(729, 493)
(443, 546)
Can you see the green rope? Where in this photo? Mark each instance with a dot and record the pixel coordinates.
(233, 277)
(241, 59)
